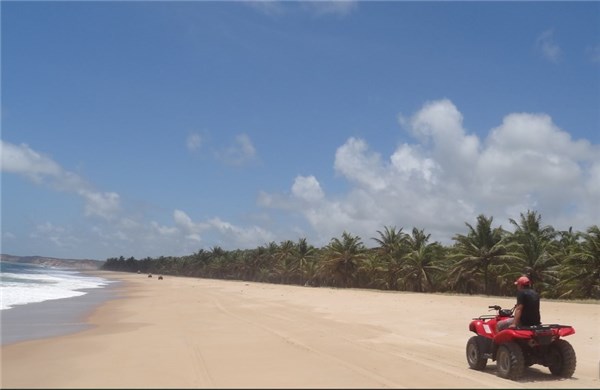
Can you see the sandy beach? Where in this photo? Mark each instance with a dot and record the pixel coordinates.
(200, 333)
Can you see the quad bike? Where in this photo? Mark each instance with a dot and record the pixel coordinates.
(513, 349)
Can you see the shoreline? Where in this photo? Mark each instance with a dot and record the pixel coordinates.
(204, 333)
(55, 317)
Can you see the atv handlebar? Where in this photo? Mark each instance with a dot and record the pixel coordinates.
(502, 312)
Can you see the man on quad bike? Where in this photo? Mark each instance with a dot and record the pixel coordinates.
(527, 310)
(516, 339)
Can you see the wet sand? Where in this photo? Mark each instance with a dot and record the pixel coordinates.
(189, 332)
(52, 318)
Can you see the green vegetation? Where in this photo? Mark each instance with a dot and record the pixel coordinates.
(485, 260)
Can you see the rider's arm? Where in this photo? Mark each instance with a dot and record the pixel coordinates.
(517, 315)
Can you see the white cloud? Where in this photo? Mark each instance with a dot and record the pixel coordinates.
(22, 160)
(193, 142)
(593, 181)
(193, 231)
(166, 231)
(529, 154)
(307, 188)
(222, 232)
(8, 235)
(236, 237)
(409, 164)
(267, 7)
(334, 7)
(241, 152)
(104, 205)
(275, 8)
(548, 47)
(59, 236)
(451, 176)
(440, 124)
(275, 201)
(438, 120)
(355, 162)
(593, 53)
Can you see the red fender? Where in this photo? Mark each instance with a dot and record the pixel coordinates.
(483, 328)
(510, 334)
(566, 331)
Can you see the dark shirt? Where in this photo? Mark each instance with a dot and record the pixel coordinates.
(531, 307)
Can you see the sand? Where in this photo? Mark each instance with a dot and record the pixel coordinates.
(189, 332)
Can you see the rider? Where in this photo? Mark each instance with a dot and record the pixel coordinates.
(527, 310)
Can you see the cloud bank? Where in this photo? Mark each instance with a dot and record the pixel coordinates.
(445, 178)
(449, 177)
(22, 160)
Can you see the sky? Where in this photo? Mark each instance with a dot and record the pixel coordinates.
(162, 128)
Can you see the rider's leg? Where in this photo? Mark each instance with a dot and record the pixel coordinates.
(501, 325)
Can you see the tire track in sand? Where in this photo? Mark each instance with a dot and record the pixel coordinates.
(385, 382)
(416, 358)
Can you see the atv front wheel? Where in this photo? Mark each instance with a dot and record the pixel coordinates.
(562, 359)
(510, 362)
(476, 348)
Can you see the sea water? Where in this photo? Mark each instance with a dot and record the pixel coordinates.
(22, 284)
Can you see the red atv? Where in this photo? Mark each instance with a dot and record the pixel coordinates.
(513, 349)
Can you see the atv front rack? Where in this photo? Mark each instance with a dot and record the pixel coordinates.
(485, 317)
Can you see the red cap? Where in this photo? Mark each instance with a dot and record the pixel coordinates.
(523, 281)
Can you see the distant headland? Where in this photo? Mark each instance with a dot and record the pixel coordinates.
(80, 264)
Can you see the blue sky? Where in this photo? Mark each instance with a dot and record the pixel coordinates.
(150, 128)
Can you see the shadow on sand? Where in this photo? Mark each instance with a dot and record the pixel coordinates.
(533, 374)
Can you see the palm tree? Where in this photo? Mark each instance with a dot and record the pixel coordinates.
(390, 240)
(580, 273)
(305, 258)
(567, 244)
(372, 272)
(420, 263)
(247, 268)
(477, 252)
(393, 246)
(342, 259)
(240, 264)
(568, 241)
(268, 262)
(536, 247)
(286, 264)
(200, 261)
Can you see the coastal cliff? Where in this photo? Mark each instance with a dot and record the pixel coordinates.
(80, 264)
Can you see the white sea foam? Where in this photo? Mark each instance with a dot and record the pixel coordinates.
(36, 284)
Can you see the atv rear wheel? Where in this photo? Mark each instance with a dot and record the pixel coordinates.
(476, 348)
(510, 362)
(562, 359)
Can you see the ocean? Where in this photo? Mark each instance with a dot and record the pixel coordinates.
(22, 284)
(38, 301)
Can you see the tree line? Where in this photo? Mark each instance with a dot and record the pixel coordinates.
(484, 260)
